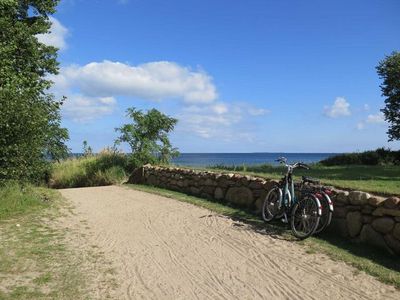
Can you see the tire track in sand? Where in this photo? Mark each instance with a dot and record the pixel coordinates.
(165, 249)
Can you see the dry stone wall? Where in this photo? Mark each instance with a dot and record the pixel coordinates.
(358, 215)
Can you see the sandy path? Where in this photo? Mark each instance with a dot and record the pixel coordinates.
(166, 249)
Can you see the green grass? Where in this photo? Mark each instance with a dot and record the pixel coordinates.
(36, 260)
(383, 180)
(373, 261)
(17, 199)
(105, 168)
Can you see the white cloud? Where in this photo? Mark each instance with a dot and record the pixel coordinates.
(223, 121)
(84, 109)
(154, 81)
(57, 35)
(340, 108)
(360, 125)
(379, 118)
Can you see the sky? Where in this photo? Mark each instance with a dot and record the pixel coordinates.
(240, 76)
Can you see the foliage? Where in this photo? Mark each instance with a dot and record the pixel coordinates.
(106, 168)
(147, 137)
(380, 156)
(29, 114)
(389, 70)
(87, 150)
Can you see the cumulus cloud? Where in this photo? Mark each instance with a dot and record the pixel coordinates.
(154, 81)
(378, 118)
(219, 120)
(57, 35)
(84, 109)
(340, 108)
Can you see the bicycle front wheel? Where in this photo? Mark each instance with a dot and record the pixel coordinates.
(305, 216)
(272, 205)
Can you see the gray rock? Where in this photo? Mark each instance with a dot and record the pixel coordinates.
(194, 190)
(367, 209)
(219, 193)
(381, 211)
(256, 185)
(358, 197)
(396, 231)
(383, 225)
(393, 243)
(392, 202)
(342, 197)
(152, 180)
(370, 236)
(240, 195)
(354, 223)
(376, 201)
(340, 212)
(338, 226)
(258, 204)
(367, 219)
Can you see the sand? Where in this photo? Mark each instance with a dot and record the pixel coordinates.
(165, 249)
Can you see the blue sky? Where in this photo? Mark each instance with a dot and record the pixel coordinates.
(241, 76)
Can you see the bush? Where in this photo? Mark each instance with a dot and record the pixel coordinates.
(380, 156)
(105, 168)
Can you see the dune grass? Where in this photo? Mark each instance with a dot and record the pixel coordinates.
(105, 168)
(373, 261)
(383, 180)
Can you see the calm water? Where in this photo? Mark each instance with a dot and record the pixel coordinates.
(229, 159)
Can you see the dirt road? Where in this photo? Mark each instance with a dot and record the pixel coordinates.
(165, 249)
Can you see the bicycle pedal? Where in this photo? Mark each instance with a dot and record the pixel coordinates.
(285, 219)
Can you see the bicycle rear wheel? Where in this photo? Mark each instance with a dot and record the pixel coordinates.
(305, 216)
(326, 214)
(272, 205)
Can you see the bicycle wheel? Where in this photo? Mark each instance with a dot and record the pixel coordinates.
(305, 216)
(326, 214)
(272, 205)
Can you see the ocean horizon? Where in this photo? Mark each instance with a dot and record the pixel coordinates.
(254, 158)
(238, 159)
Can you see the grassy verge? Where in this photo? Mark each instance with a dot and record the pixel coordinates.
(370, 260)
(35, 260)
(383, 180)
(105, 168)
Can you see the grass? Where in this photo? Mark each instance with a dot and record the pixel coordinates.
(105, 168)
(36, 262)
(373, 261)
(384, 180)
(16, 199)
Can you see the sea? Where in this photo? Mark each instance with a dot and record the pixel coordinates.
(238, 159)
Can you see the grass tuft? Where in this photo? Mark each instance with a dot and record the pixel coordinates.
(105, 168)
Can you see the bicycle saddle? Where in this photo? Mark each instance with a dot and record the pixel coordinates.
(310, 180)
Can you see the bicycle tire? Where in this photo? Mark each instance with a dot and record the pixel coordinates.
(327, 213)
(305, 215)
(271, 201)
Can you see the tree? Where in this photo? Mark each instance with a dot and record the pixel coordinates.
(30, 131)
(389, 70)
(147, 137)
(87, 150)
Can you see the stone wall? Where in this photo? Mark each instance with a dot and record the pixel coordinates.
(358, 215)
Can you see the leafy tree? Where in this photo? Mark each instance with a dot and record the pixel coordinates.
(389, 70)
(30, 131)
(147, 136)
(87, 150)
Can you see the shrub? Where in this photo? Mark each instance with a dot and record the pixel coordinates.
(106, 168)
(380, 156)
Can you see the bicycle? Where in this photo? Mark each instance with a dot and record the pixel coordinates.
(323, 194)
(281, 201)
